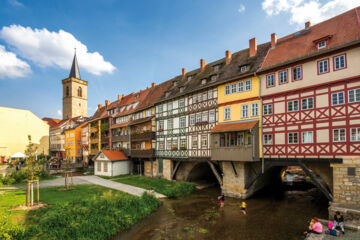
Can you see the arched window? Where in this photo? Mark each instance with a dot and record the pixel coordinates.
(67, 91)
(80, 92)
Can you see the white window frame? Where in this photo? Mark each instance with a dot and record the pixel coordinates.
(321, 45)
(306, 100)
(357, 134)
(266, 108)
(245, 111)
(240, 86)
(268, 139)
(356, 93)
(212, 116)
(283, 77)
(182, 122)
(248, 85)
(194, 139)
(192, 120)
(270, 77)
(227, 113)
(337, 98)
(322, 62)
(254, 109)
(293, 135)
(170, 124)
(169, 106)
(338, 58)
(297, 73)
(181, 103)
(233, 88)
(339, 131)
(304, 137)
(293, 105)
(227, 89)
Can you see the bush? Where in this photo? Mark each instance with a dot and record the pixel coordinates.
(10, 231)
(180, 189)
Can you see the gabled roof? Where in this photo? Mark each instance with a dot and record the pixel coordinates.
(74, 72)
(233, 127)
(113, 155)
(343, 30)
(51, 121)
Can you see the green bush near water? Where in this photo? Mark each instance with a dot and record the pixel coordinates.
(20, 176)
(169, 188)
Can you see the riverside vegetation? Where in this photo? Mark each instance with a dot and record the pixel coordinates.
(83, 212)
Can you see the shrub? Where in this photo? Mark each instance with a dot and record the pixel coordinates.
(180, 189)
(10, 231)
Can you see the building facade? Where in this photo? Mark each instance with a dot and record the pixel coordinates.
(73, 141)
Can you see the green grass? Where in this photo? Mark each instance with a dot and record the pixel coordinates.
(169, 188)
(84, 212)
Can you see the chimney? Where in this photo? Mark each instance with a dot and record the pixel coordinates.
(119, 97)
(202, 65)
(273, 39)
(107, 102)
(153, 84)
(183, 72)
(252, 47)
(227, 56)
(99, 106)
(307, 25)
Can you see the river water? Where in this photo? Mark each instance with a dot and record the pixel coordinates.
(277, 212)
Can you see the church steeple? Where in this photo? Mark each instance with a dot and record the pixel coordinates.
(74, 72)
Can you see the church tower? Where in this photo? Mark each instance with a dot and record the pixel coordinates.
(74, 93)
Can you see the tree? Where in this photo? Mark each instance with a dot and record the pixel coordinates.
(32, 170)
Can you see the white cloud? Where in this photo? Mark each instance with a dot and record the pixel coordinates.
(59, 112)
(46, 48)
(308, 10)
(16, 3)
(241, 8)
(11, 66)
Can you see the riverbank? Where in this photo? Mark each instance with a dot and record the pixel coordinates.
(169, 188)
(83, 212)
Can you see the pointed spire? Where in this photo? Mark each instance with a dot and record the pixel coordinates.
(74, 72)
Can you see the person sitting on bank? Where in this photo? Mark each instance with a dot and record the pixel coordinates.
(314, 227)
(339, 221)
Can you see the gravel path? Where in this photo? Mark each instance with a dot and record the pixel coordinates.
(97, 181)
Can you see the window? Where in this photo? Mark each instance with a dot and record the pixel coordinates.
(210, 94)
(233, 88)
(182, 89)
(182, 144)
(283, 77)
(174, 144)
(339, 135)
(354, 95)
(293, 138)
(194, 142)
(244, 111)
(249, 140)
(160, 108)
(204, 117)
(161, 124)
(79, 92)
(203, 81)
(247, 85)
(307, 103)
(227, 90)
(161, 145)
(105, 166)
(240, 87)
(182, 123)
(323, 66)
(355, 134)
(168, 144)
(204, 141)
(297, 73)
(339, 62)
(321, 45)
(148, 113)
(268, 109)
(79, 143)
(216, 67)
(204, 96)
(67, 91)
(192, 120)
(213, 78)
(244, 68)
(189, 78)
(175, 83)
(307, 137)
(268, 139)
(293, 106)
(212, 116)
(337, 98)
(254, 109)
(270, 80)
(181, 103)
(227, 113)
(98, 164)
(198, 117)
(240, 139)
(170, 124)
(169, 106)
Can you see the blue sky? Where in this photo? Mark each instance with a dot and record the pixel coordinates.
(127, 45)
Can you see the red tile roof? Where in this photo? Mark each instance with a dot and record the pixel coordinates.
(342, 30)
(51, 121)
(114, 155)
(233, 127)
(120, 125)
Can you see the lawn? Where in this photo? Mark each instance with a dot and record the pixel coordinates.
(169, 188)
(84, 212)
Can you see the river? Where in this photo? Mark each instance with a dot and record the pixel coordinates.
(277, 212)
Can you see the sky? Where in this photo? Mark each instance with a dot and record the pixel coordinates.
(124, 46)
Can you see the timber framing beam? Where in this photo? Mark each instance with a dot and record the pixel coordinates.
(175, 170)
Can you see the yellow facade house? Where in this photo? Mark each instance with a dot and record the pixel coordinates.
(15, 126)
(73, 143)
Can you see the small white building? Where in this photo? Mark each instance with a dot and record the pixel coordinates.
(111, 163)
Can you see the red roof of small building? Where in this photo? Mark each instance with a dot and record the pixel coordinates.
(233, 127)
(340, 30)
(114, 155)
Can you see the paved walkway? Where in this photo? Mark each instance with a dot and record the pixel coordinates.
(97, 181)
(349, 235)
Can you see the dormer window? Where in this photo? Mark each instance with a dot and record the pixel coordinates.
(321, 45)
(182, 89)
(175, 83)
(203, 81)
(213, 78)
(244, 68)
(167, 94)
(216, 67)
(136, 96)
